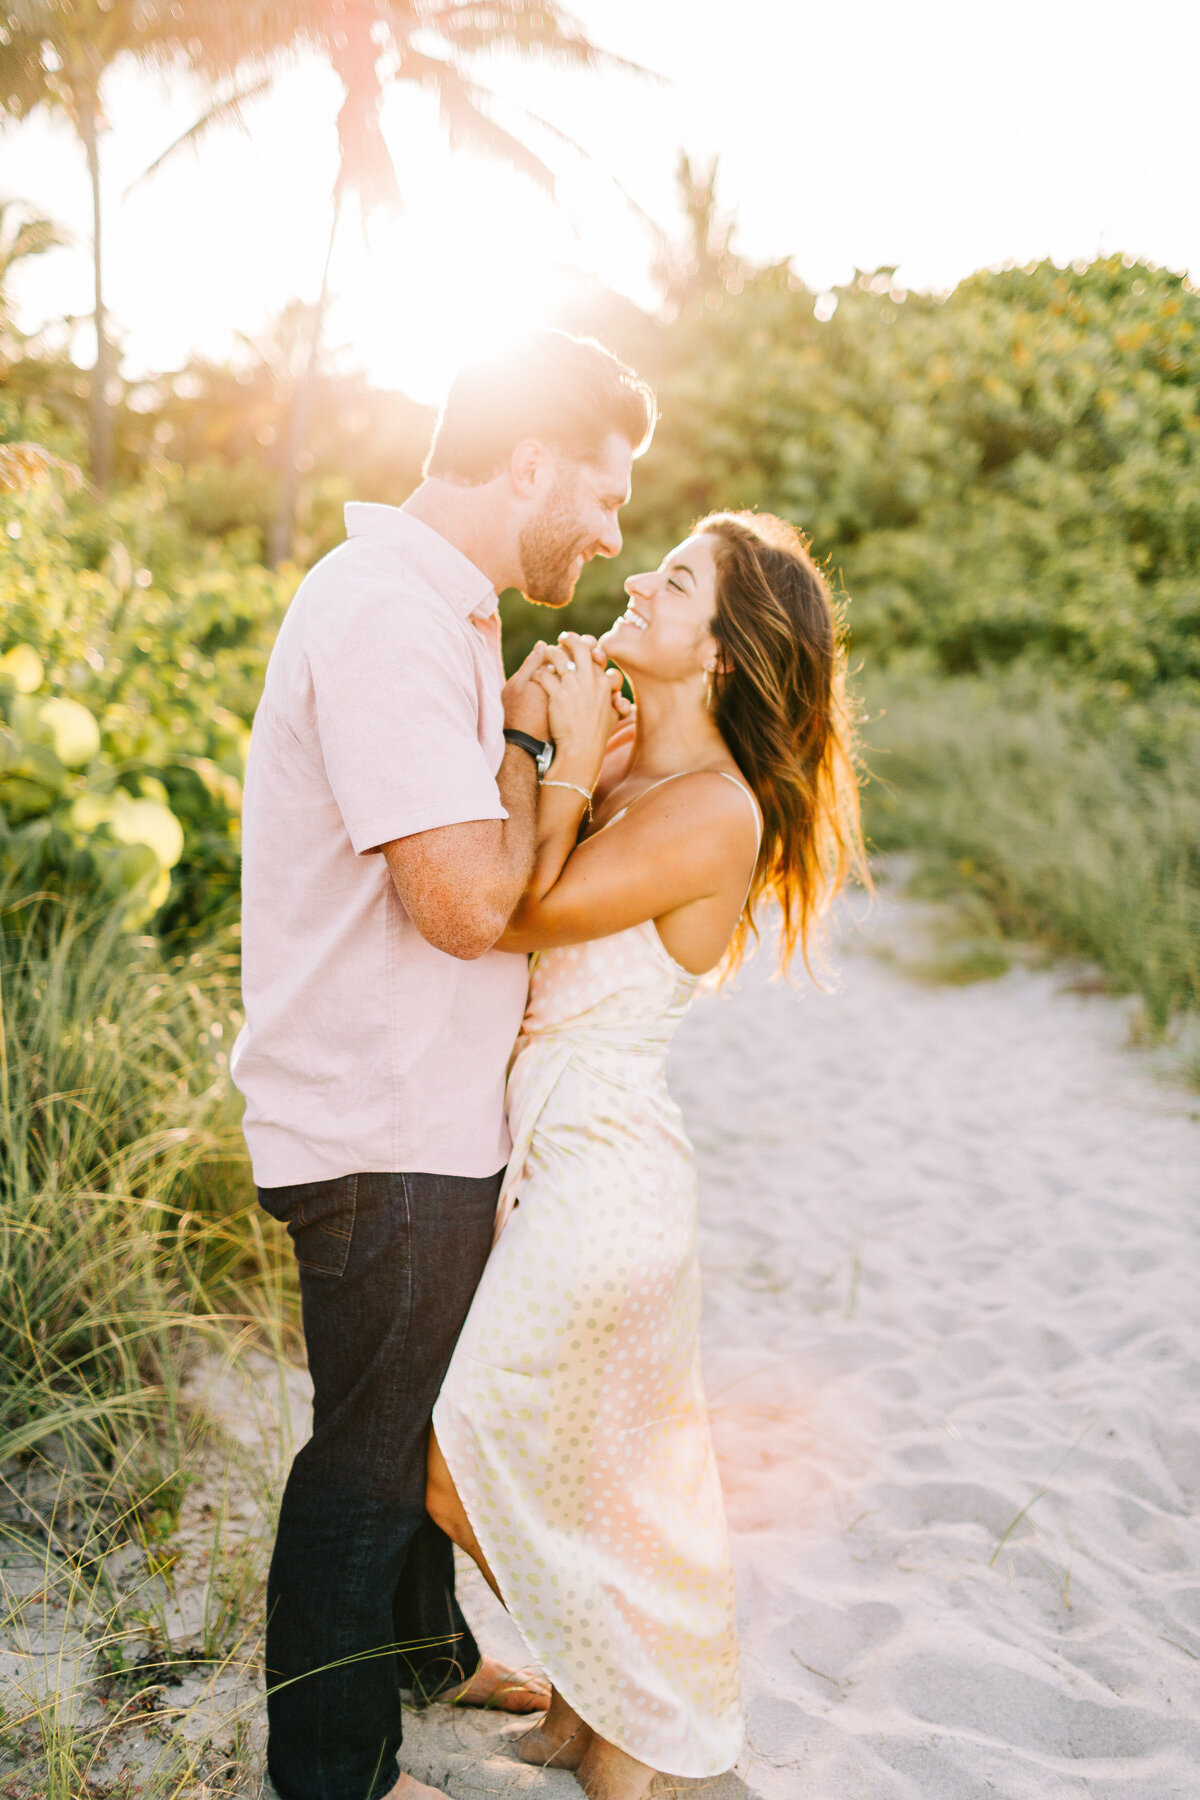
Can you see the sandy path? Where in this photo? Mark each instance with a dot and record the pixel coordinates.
(952, 1251)
(952, 1248)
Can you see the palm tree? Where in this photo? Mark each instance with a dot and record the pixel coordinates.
(700, 266)
(374, 44)
(55, 54)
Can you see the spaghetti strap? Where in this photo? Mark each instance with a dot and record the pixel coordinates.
(678, 776)
(636, 798)
(754, 806)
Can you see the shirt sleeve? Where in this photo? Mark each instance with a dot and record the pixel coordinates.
(398, 720)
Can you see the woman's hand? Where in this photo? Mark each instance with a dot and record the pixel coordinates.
(582, 697)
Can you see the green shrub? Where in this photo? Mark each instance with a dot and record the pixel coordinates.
(1010, 471)
(131, 660)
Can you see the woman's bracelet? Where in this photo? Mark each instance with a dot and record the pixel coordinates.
(575, 789)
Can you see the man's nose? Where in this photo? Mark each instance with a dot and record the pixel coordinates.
(610, 540)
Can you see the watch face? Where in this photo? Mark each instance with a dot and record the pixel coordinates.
(545, 758)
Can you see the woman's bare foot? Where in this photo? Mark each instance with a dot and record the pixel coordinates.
(561, 1741)
(503, 1690)
(606, 1773)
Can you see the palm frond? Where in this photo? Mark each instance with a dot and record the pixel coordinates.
(582, 151)
(22, 234)
(528, 26)
(30, 235)
(462, 104)
(221, 112)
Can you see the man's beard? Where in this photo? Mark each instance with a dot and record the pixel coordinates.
(550, 544)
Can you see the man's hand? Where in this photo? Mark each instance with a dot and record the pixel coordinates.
(525, 704)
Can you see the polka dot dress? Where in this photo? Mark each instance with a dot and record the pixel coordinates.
(573, 1417)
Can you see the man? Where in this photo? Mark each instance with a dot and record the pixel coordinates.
(388, 834)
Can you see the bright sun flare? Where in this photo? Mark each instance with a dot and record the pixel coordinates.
(430, 289)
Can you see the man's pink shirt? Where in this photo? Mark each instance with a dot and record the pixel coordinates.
(364, 1048)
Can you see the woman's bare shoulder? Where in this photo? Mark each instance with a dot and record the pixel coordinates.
(712, 792)
(700, 811)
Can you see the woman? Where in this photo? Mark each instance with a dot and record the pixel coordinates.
(571, 1455)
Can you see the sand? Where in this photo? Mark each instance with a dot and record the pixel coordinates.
(951, 1241)
(953, 1344)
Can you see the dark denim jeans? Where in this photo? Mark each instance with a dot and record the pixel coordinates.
(360, 1597)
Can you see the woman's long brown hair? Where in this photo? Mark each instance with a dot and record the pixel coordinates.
(779, 701)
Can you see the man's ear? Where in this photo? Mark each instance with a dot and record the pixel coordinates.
(524, 466)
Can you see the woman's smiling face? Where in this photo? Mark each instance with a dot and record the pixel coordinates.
(666, 630)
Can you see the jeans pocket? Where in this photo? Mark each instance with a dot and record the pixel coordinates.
(319, 1216)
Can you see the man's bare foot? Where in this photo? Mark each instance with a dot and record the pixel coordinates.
(409, 1788)
(503, 1690)
(561, 1740)
(606, 1773)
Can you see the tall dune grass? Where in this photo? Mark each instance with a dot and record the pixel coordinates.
(127, 1225)
(129, 1243)
(1076, 812)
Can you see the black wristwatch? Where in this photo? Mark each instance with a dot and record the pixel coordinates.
(541, 752)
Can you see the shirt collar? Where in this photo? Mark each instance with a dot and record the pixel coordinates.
(454, 576)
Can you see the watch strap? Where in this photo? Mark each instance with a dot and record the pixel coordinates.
(536, 747)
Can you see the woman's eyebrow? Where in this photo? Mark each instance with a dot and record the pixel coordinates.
(681, 568)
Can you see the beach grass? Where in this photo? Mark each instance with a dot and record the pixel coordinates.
(132, 1253)
(137, 1652)
(128, 1233)
(1073, 812)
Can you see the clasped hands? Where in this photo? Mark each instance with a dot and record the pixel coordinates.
(566, 692)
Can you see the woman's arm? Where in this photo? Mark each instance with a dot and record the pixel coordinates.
(562, 808)
(581, 698)
(692, 839)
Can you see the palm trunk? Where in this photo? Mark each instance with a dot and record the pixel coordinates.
(284, 523)
(100, 431)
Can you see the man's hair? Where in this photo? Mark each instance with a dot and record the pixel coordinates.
(567, 392)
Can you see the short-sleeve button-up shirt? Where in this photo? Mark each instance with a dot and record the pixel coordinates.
(364, 1047)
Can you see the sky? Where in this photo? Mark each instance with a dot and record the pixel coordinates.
(939, 136)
